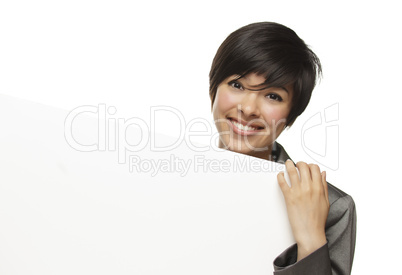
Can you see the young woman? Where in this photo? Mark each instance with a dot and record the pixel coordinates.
(261, 80)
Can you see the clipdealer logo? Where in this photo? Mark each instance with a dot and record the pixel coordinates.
(113, 136)
(325, 125)
(112, 132)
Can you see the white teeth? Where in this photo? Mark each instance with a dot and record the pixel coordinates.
(242, 127)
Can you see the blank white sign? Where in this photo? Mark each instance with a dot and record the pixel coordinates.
(64, 211)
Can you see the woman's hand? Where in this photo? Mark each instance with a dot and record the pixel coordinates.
(307, 205)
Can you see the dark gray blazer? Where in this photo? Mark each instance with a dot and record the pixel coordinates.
(335, 257)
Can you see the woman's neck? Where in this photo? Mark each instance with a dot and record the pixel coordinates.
(265, 154)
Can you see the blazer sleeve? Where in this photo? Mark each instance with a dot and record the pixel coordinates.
(335, 257)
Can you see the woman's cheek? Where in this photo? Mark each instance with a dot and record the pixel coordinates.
(276, 116)
(225, 101)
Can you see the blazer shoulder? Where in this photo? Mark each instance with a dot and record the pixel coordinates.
(334, 194)
(342, 212)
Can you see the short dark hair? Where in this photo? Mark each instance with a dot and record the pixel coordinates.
(273, 51)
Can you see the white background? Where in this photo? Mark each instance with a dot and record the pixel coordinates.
(133, 55)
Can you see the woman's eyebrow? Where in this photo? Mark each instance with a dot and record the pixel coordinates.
(283, 88)
(266, 87)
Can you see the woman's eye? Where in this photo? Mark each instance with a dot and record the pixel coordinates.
(236, 85)
(274, 97)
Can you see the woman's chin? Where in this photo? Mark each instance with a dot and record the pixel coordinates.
(244, 148)
(241, 148)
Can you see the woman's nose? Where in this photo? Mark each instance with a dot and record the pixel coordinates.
(249, 106)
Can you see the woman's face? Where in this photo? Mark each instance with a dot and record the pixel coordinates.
(249, 121)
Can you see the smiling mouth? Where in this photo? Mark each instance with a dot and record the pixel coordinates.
(243, 130)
